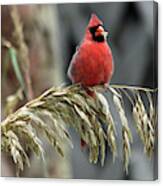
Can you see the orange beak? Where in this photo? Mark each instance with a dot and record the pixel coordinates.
(100, 31)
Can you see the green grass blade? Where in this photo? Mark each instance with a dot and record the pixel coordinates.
(16, 67)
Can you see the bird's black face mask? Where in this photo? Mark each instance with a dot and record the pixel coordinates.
(98, 33)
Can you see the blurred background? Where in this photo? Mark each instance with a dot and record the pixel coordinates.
(50, 35)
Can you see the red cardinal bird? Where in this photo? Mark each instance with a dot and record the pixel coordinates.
(92, 63)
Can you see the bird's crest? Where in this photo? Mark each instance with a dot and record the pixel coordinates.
(94, 21)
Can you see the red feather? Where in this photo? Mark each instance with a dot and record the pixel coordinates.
(92, 63)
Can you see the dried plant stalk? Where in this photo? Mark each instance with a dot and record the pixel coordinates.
(108, 119)
(126, 133)
(22, 50)
(152, 127)
(91, 117)
(145, 123)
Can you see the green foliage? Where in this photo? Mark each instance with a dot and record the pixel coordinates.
(16, 68)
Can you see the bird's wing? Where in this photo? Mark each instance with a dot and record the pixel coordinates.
(72, 66)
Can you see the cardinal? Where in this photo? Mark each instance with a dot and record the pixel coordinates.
(92, 63)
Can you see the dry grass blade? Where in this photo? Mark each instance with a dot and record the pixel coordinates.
(145, 120)
(50, 114)
(151, 127)
(140, 117)
(11, 144)
(110, 124)
(126, 133)
(22, 50)
(145, 123)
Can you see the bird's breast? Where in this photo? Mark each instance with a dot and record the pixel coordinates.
(92, 64)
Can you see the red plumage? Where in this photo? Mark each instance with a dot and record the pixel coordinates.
(92, 63)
